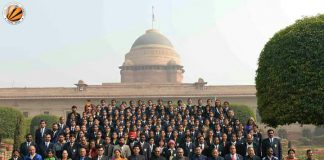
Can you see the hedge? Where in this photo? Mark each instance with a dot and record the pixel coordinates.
(12, 129)
(49, 119)
(242, 112)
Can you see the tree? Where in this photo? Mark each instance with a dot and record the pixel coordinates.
(290, 75)
(11, 118)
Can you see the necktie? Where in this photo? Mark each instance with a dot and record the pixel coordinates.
(42, 132)
(46, 144)
(233, 158)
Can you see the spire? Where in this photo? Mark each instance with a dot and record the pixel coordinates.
(153, 17)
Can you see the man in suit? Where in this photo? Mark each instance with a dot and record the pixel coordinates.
(215, 155)
(251, 155)
(269, 155)
(100, 155)
(72, 147)
(144, 145)
(62, 124)
(41, 132)
(203, 145)
(76, 115)
(215, 145)
(198, 154)
(273, 143)
(180, 155)
(45, 146)
(136, 154)
(109, 148)
(24, 146)
(243, 148)
(151, 147)
(55, 132)
(233, 155)
(188, 146)
(83, 155)
(125, 150)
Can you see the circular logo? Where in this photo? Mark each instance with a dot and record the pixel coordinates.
(14, 13)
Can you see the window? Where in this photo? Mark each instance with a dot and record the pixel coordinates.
(46, 112)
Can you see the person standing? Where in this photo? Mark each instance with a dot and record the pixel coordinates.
(272, 142)
(24, 146)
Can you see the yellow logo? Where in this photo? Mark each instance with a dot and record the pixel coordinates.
(14, 13)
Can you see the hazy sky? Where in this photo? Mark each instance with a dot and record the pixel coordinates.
(60, 41)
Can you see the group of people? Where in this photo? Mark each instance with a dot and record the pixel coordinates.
(149, 131)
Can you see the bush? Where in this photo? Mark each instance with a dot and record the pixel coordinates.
(49, 119)
(319, 130)
(289, 81)
(242, 112)
(318, 140)
(12, 130)
(305, 141)
(306, 133)
(282, 133)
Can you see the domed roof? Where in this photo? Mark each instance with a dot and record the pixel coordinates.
(152, 36)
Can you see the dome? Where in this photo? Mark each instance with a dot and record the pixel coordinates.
(152, 36)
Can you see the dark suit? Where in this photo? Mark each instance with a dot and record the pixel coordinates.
(228, 157)
(43, 150)
(138, 157)
(72, 150)
(144, 149)
(218, 158)
(242, 149)
(212, 147)
(55, 135)
(188, 150)
(79, 158)
(24, 148)
(252, 158)
(39, 138)
(201, 157)
(167, 152)
(275, 145)
(109, 149)
(102, 158)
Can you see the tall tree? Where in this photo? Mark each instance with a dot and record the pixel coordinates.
(290, 75)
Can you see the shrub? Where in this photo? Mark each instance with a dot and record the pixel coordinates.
(305, 141)
(319, 130)
(289, 81)
(12, 130)
(242, 112)
(49, 119)
(282, 133)
(306, 133)
(318, 140)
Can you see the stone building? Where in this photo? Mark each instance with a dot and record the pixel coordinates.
(152, 69)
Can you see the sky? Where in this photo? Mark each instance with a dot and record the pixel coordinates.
(60, 42)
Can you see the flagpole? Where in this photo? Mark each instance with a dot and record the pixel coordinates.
(152, 17)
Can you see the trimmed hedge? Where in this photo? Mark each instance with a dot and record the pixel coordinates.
(49, 119)
(12, 129)
(289, 81)
(242, 112)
